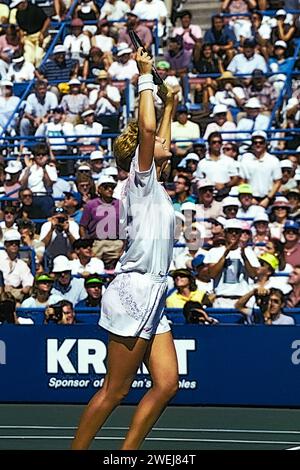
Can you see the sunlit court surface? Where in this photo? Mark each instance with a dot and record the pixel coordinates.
(51, 427)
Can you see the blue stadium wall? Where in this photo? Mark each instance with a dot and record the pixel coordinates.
(218, 365)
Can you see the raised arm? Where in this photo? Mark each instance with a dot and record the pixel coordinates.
(146, 118)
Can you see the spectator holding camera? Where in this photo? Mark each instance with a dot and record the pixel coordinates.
(58, 234)
(270, 303)
(195, 313)
(61, 313)
(231, 266)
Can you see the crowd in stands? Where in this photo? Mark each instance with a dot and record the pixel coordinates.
(68, 86)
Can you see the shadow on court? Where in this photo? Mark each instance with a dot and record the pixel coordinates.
(44, 427)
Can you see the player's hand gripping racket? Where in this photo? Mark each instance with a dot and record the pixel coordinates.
(162, 89)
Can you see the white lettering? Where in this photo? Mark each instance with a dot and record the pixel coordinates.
(182, 347)
(2, 352)
(91, 352)
(296, 354)
(59, 356)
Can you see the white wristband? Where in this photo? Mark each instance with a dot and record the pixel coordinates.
(146, 77)
(146, 86)
(145, 82)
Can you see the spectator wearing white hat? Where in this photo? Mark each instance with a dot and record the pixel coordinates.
(100, 222)
(221, 123)
(75, 102)
(90, 131)
(288, 173)
(125, 68)
(190, 161)
(71, 289)
(231, 267)
(18, 279)
(285, 29)
(58, 66)
(280, 65)
(12, 184)
(106, 99)
(8, 104)
(230, 207)
(207, 208)
(96, 163)
(261, 232)
(279, 214)
(20, 70)
(253, 121)
(261, 170)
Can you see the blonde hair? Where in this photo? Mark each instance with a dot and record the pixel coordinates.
(125, 145)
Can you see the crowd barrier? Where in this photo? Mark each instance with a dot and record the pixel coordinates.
(218, 365)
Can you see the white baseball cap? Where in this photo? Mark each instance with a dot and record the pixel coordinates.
(83, 166)
(189, 156)
(11, 235)
(96, 155)
(233, 223)
(110, 171)
(231, 201)
(261, 134)
(61, 263)
(87, 112)
(6, 83)
(123, 48)
(253, 103)
(59, 49)
(281, 43)
(15, 3)
(261, 217)
(281, 12)
(218, 109)
(14, 166)
(105, 179)
(188, 206)
(286, 164)
(74, 81)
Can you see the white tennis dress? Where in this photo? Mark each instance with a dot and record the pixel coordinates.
(134, 301)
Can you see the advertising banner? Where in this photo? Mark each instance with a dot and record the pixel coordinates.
(218, 365)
